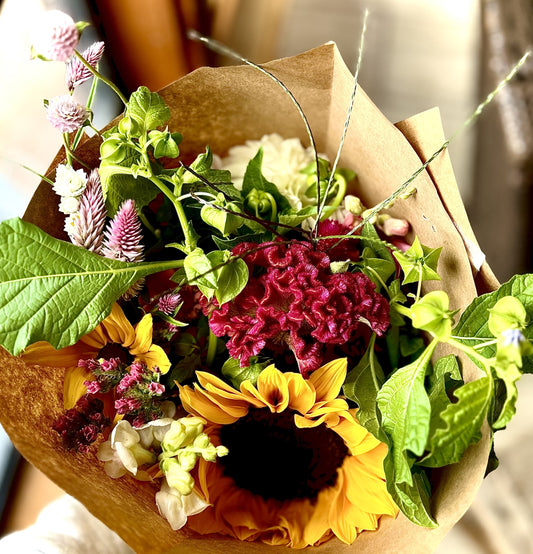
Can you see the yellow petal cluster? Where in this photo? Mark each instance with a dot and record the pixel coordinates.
(354, 504)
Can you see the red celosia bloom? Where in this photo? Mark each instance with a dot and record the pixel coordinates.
(293, 300)
(348, 249)
(80, 426)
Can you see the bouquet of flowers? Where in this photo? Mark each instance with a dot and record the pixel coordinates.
(212, 331)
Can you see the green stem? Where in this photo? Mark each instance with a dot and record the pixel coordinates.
(98, 75)
(470, 351)
(90, 102)
(189, 239)
(67, 149)
(211, 348)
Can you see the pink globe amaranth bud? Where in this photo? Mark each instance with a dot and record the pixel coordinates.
(65, 114)
(56, 36)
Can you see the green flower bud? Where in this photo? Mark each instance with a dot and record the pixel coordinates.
(507, 313)
(201, 441)
(225, 222)
(431, 314)
(129, 127)
(262, 204)
(222, 451)
(114, 150)
(163, 144)
(209, 454)
(177, 477)
(187, 460)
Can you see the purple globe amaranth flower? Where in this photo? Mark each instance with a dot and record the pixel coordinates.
(123, 236)
(65, 114)
(56, 36)
(77, 73)
(86, 227)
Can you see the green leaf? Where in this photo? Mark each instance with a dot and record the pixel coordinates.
(119, 186)
(370, 239)
(460, 424)
(473, 323)
(405, 409)
(236, 374)
(413, 500)
(232, 278)
(52, 290)
(418, 261)
(148, 109)
(295, 217)
(509, 374)
(253, 179)
(362, 385)
(199, 270)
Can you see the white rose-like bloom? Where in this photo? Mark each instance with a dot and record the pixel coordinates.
(283, 159)
(123, 452)
(69, 205)
(176, 507)
(69, 182)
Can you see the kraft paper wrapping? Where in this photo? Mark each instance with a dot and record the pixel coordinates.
(223, 107)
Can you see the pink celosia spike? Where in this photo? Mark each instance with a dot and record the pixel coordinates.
(123, 235)
(87, 226)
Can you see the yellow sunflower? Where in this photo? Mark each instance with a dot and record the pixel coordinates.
(115, 336)
(300, 468)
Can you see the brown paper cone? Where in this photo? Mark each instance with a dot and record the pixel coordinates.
(224, 107)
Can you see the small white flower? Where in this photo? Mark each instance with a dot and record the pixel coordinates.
(123, 452)
(69, 182)
(283, 159)
(69, 204)
(175, 507)
(153, 432)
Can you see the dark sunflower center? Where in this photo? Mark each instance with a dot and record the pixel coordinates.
(115, 350)
(270, 456)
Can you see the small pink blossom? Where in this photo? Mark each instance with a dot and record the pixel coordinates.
(156, 388)
(93, 387)
(56, 36)
(169, 302)
(65, 114)
(395, 227)
(77, 73)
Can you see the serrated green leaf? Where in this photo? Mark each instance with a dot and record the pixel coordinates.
(406, 411)
(52, 290)
(362, 385)
(460, 424)
(148, 109)
(413, 500)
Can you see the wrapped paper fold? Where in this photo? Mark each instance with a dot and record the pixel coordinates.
(224, 107)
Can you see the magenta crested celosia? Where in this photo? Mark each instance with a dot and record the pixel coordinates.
(77, 72)
(123, 237)
(65, 114)
(56, 36)
(86, 227)
(293, 300)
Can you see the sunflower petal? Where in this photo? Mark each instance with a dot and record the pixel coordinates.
(153, 357)
(198, 402)
(302, 396)
(118, 328)
(143, 336)
(272, 389)
(73, 387)
(329, 379)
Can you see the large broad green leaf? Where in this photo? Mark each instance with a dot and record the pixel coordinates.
(52, 290)
(460, 424)
(405, 409)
